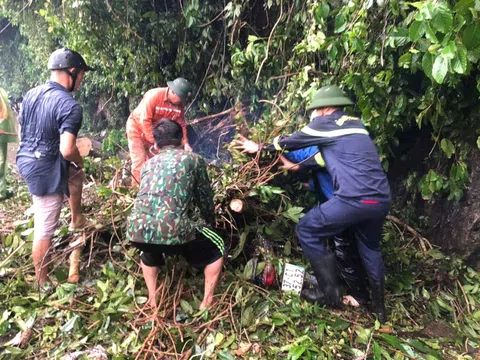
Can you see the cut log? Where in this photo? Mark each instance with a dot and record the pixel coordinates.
(74, 271)
(237, 205)
(84, 146)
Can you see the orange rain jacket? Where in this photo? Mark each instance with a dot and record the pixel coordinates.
(153, 107)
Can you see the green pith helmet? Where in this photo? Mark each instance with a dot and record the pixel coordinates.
(181, 87)
(330, 95)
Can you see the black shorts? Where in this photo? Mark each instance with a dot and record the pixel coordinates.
(207, 248)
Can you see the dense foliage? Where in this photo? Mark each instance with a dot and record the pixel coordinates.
(433, 300)
(412, 68)
(410, 65)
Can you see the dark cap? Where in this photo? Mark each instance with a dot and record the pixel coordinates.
(65, 59)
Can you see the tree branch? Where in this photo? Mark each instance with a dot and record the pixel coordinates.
(269, 41)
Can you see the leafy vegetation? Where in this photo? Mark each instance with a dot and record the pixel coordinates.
(410, 65)
(412, 68)
(433, 299)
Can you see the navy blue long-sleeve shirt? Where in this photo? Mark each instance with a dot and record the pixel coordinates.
(348, 153)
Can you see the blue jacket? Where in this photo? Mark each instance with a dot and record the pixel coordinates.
(348, 153)
(326, 185)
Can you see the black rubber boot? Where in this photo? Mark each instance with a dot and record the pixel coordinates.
(310, 290)
(313, 296)
(325, 270)
(350, 267)
(378, 299)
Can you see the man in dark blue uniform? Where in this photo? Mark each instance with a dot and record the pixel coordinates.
(349, 265)
(362, 194)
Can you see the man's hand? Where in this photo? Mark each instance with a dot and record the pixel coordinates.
(153, 150)
(246, 146)
(187, 147)
(288, 165)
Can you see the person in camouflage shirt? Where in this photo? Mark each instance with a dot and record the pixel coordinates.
(173, 209)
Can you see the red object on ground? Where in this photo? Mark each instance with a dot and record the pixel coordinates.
(268, 275)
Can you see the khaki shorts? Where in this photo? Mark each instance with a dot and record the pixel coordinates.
(47, 208)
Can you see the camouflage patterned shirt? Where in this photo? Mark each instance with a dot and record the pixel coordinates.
(174, 186)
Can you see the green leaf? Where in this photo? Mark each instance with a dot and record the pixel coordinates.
(363, 335)
(340, 23)
(400, 37)
(440, 69)
(239, 295)
(417, 30)
(61, 275)
(225, 355)
(288, 248)
(459, 63)
(478, 142)
(340, 324)
(186, 307)
(321, 12)
(296, 351)
(473, 55)
(248, 271)
(443, 19)
(247, 317)
(449, 51)
(427, 12)
(393, 341)
(427, 64)
(69, 324)
(377, 351)
(293, 213)
(471, 36)
(279, 319)
(464, 3)
(430, 33)
(229, 341)
(447, 147)
(405, 60)
(219, 338)
(418, 345)
(241, 244)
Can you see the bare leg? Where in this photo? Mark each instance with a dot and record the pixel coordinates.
(212, 273)
(150, 274)
(75, 186)
(40, 259)
(75, 206)
(46, 213)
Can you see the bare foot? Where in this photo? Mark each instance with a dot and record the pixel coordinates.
(151, 303)
(78, 223)
(206, 303)
(350, 300)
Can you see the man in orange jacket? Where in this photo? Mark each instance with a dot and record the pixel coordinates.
(167, 102)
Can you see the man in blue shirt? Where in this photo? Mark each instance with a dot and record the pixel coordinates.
(48, 158)
(362, 194)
